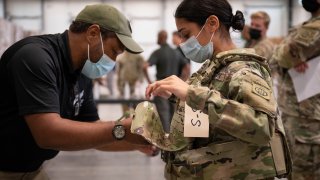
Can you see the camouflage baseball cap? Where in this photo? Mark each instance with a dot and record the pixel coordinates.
(111, 19)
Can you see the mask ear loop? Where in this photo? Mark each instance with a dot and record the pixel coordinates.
(88, 52)
(101, 43)
(202, 28)
(211, 37)
(200, 31)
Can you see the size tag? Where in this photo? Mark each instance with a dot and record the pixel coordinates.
(196, 123)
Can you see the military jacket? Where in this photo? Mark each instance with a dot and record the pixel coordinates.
(302, 44)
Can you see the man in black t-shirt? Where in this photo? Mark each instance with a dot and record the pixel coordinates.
(46, 101)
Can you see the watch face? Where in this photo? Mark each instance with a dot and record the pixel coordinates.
(119, 132)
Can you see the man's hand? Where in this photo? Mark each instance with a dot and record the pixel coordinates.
(132, 138)
(149, 150)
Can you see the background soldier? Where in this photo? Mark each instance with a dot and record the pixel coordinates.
(301, 119)
(257, 34)
(130, 71)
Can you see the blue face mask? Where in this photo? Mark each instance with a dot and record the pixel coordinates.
(193, 50)
(100, 68)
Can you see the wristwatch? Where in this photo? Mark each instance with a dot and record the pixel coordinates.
(118, 131)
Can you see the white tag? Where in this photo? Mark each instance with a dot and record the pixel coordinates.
(196, 123)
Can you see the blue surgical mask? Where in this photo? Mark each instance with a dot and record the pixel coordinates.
(100, 68)
(193, 50)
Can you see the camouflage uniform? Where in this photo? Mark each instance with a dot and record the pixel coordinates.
(263, 47)
(234, 89)
(302, 120)
(130, 70)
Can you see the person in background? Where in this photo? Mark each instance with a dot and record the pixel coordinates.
(301, 119)
(256, 37)
(232, 92)
(129, 71)
(257, 34)
(167, 63)
(46, 100)
(110, 81)
(184, 65)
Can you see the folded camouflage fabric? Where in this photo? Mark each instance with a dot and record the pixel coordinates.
(146, 122)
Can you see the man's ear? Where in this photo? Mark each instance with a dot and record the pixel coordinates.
(213, 23)
(93, 33)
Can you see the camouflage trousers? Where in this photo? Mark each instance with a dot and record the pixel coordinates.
(35, 175)
(121, 86)
(305, 155)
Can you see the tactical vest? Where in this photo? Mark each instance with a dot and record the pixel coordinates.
(221, 156)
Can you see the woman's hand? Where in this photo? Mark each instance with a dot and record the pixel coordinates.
(168, 86)
(302, 67)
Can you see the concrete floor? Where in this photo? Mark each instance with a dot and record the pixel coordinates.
(97, 165)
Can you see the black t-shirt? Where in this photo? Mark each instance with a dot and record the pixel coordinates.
(167, 61)
(37, 76)
(182, 60)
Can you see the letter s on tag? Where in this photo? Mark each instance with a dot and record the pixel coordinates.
(196, 123)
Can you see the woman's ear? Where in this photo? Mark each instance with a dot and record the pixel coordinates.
(213, 23)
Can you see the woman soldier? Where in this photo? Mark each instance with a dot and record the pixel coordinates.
(232, 91)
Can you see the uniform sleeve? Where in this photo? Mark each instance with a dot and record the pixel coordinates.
(248, 113)
(264, 49)
(300, 45)
(34, 77)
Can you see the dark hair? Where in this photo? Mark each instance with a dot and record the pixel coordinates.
(80, 27)
(199, 10)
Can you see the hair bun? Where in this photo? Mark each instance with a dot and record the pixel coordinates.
(237, 21)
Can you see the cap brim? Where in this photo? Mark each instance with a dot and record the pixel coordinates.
(130, 44)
